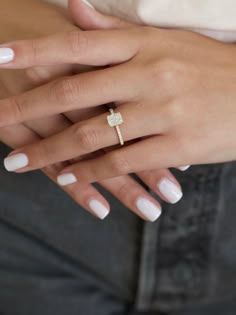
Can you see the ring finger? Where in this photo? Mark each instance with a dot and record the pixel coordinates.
(138, 200)
(85, 137)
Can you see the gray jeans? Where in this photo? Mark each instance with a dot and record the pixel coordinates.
(57, 259)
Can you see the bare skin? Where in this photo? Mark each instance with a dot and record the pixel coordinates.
(175, 90)
(55, 20)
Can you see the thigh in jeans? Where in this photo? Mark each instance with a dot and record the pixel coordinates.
(57, 258)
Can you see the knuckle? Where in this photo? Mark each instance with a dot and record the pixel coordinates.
(77, 42)
(166, 73)
(119, 164)
(122, 190)
(37, 75)
(16, 109)
(33, 51)
(86, 137)
(65, 90)
(175, 112)
(41, 155)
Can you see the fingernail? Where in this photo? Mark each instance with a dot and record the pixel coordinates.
(98, 209)
(15, 162)
(88, 4)
(184, 168)
(6, 55)
(148, 209)
(170, 190)
(66, 179)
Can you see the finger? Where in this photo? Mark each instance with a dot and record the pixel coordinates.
(16, 136)
(89, 198)
(138, 199)
(94, 48)
(41, 74)
(85, 113)
(48, 126)
(163, 183)
(82, 138)
(183, 168)
(81, 115)
(83, 194)
(159, 151)
(134, 197)
(89, 19)
(70, 93)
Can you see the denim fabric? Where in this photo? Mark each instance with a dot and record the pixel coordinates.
(194, 244)
(57, 259)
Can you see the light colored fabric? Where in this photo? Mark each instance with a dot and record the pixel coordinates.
(214, 18)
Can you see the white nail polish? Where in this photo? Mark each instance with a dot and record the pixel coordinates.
(170, 190)
(88, 4)
(15, 162)
(66, 179)
(98, 209)
(6, 55)
(184, 168)
(148, 209)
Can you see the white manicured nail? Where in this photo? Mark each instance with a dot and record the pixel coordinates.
(184, 168)
(15, 162)
(6, 55)
(170, 190)
(98, 209)
(148, 209)
(88, 3)
(66, 179)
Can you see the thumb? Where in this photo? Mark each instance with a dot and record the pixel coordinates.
(86, 17)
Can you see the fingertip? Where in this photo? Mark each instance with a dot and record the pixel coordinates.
(82, 13)
(184, 168)
(15, 162)
(98, 208)
(6, 55)
(148, 209)
(170, 190)
(88, 18)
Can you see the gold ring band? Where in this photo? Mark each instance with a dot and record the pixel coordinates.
(115, 120)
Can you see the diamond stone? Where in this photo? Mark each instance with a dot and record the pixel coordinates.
(115, 119)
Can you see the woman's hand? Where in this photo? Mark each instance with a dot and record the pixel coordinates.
(13, 82)
(175, 89)
(138, 199)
